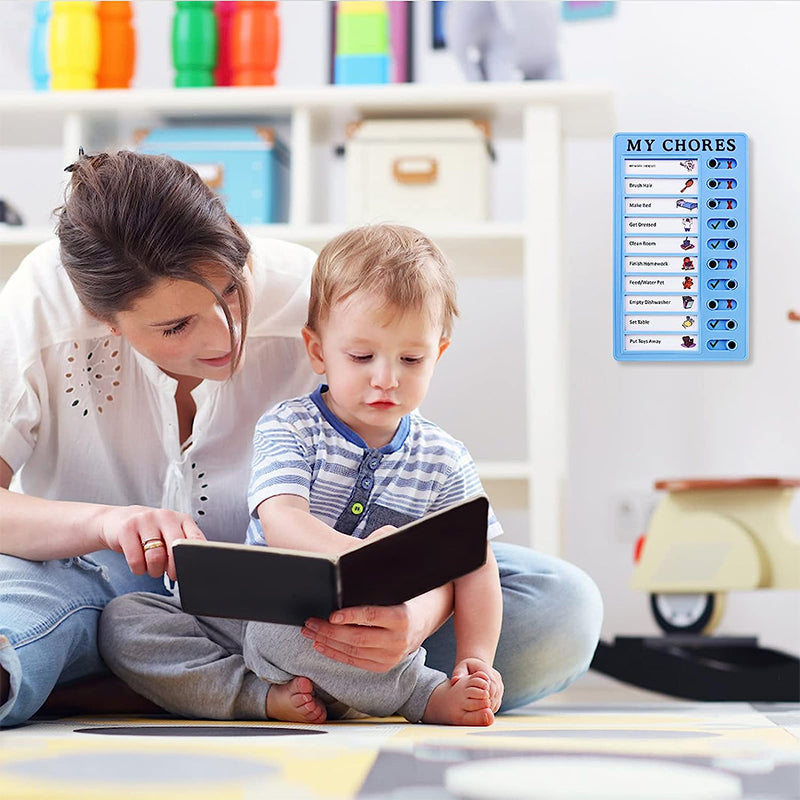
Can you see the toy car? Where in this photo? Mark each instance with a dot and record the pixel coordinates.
(709, 537)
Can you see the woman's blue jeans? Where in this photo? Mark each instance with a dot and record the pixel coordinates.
(48, 616)
(49, 610)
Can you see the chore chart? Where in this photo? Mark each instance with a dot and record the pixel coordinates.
(680, 247)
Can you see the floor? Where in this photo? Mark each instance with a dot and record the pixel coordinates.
(599, 739)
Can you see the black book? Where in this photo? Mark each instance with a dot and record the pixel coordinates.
(273, 584)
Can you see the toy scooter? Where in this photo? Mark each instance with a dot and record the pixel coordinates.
(709, 537)
(706, 538)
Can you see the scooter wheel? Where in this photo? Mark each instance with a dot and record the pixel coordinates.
(687, 613)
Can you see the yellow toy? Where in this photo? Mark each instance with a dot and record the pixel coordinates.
(709, 537)
(74, 45)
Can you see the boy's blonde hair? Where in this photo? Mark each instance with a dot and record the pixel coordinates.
(395, 262)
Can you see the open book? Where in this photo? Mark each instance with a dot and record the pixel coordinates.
(273, 584)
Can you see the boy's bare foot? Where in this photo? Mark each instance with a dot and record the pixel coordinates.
(295, 702)
(466, 702)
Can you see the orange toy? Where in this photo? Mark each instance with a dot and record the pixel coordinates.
(117, 45)
(255, 40)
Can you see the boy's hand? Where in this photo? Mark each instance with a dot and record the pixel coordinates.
(469, 666)
(354, 543)
(379, 533)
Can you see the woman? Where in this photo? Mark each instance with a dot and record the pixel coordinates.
(139, 350)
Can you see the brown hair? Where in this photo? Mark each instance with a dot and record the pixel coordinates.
(130, 219)
(396, 262)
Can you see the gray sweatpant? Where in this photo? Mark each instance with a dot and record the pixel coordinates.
(160, 651)
(277, 653)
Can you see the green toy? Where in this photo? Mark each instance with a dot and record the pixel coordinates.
(194, 43)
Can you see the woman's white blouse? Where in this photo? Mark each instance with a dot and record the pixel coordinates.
(85, 417)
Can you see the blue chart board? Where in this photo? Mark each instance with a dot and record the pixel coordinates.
(680, 247)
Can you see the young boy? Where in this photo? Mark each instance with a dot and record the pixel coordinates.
(335, 467)
(349, 461)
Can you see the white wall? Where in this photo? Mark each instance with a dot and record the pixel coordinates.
(690, 66)
(693, 66)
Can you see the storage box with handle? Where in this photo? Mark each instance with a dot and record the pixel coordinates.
(417, 171)
(247, 165)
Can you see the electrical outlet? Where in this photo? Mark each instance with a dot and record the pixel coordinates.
(633, 508)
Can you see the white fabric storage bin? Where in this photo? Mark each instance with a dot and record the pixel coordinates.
(417, 171)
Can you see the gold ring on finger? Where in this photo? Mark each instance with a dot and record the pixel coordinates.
(152, 544)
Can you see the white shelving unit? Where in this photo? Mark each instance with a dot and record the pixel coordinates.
(541, 114)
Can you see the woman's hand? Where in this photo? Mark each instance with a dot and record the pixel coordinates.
(375, 638)
(145, 536)
(469, 666)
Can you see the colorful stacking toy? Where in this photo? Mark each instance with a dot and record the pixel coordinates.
(82, 45)
(254, 43)
(74, 45)
(223, 72)
(39, 61)
(117, 45)
(194, 43)
(362, 43)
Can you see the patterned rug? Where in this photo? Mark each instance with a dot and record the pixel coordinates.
(642, 750)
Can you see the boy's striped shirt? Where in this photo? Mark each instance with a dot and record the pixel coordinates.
(301, 448)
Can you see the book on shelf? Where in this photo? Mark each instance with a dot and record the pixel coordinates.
(273, 584)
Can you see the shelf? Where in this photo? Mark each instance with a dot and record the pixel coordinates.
(320, 233)
(23, 235)
(585, 109)
(491, 248)
(504, 470)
